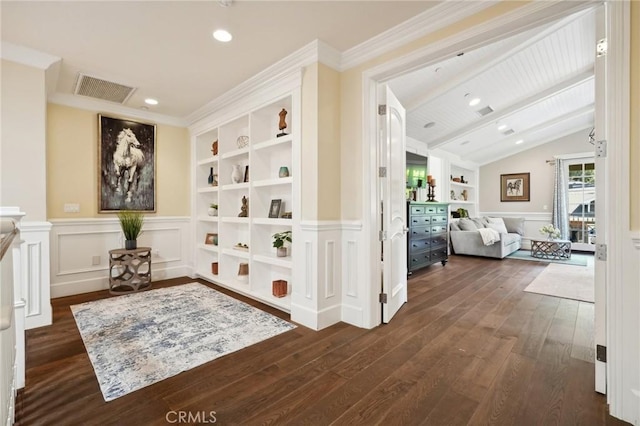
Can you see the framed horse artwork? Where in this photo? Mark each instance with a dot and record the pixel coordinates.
(126, 165)
(514, 187)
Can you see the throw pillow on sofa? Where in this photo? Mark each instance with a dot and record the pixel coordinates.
(496, 223)
(467, 225)
(514, 224)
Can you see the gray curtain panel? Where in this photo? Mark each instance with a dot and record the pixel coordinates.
(560, 197)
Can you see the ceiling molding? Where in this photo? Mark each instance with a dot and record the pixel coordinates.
(329, 56)
(485, 64)
(27, 56)
(90, 104)
(513, 108)
(493, 157)
(437, 17)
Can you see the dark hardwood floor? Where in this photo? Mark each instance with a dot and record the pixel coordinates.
(470, 347)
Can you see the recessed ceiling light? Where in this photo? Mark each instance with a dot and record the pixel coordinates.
(429, 125)
(151, 101)
(502, 127)
(474, 101)
(222, 35)
(519, 141)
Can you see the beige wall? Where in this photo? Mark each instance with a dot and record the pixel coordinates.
(635, 116)
(309, 137)
(531, 161)
(23, 172)
(72, 161)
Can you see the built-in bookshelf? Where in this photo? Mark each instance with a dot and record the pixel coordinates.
(255, 161)
(463, 189)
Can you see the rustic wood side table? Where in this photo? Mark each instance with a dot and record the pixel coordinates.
(129, 270)
(551, 249)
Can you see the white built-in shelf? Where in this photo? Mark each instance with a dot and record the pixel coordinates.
(461, 202)
(236, 153)
(273, 142)
(237, 253)
(285, 262)
(231, 219)
(208, 161)
(208, 218)
(466, 185)
(270, 299)
(208, 189)
(234, 186)
(208, 247)
(273, 182)
(272, 221)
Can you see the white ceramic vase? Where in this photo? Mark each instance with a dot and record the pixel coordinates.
(236, 174)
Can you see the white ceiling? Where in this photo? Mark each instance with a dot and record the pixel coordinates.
(539, 83)
(165, 49)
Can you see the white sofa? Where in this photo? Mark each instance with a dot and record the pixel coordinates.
(466, 239)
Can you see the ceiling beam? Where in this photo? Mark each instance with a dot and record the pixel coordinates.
(513, 108)
(542, 126)
(474, 70)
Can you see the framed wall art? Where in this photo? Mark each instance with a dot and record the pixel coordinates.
(126, 165)
(514, 187)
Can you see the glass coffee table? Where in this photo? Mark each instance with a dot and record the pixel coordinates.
(551, 249)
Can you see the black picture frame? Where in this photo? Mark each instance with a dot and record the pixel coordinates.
(274, 210)
(515, 187)
(246, 173)
(122, 142)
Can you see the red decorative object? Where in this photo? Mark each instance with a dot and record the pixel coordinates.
(279, 288)
(214, 268)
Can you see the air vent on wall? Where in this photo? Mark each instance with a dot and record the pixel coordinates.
(102, 89)
(508, 132)
(484, 111)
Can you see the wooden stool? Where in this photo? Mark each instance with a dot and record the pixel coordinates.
(132, 270)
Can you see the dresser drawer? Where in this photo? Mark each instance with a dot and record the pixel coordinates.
(439, 240)
(438, 219)
(438, 229)
(430, 209)
(417, 259)
(438, 253)
(442, 210)
(417, 210)
(420, 220)
(419, 232)
(419, 245)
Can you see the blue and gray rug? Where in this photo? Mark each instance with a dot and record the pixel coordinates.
(139, 339)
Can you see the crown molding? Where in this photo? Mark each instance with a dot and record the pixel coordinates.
(82, 102)
(27, 56)
(435, 18)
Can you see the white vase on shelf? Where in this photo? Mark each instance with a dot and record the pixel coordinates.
(236, 174)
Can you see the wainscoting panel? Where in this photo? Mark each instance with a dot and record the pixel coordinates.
(354, 287)
(80, 251)
(35, 279)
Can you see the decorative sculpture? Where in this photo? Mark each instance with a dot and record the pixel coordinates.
(214, 147)
(282, 124)
(244, 209)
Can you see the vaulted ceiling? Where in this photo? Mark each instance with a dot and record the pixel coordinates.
(533, 88)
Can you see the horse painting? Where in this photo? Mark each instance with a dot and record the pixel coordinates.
(513, 187)
(128, 157)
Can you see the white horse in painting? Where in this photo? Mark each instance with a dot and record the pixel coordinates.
(128, 156)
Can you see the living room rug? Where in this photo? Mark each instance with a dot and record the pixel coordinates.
(577, 259)
(139, 339)
(566, 281)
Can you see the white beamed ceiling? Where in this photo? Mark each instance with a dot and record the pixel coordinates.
(539, 83)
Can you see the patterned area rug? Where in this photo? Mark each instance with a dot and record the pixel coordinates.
(566, 281)
(139, 339)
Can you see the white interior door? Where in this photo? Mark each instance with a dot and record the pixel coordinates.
(600, 337)
(391, 154)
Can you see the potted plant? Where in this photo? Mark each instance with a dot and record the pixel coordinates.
(213, 210)
(131, 223)
(279, 240)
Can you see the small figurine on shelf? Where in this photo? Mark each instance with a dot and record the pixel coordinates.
(244, 210)
(210, 179)
(282, 124)
(214, 148)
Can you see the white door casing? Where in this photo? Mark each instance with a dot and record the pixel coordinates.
(392, 158)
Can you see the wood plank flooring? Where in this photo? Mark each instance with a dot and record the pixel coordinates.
(469, 348)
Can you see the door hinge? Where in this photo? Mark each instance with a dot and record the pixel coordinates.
(382, 110)
(601, 47)
(601, 148)
(382, 172)
(601, 252)
(383, 297)
(601, 353)
(382, 235)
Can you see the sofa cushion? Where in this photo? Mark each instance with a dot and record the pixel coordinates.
(514, 224)
(509, 239)
(467, 225)
(454, 226)
(478, 221)
(496, 223)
